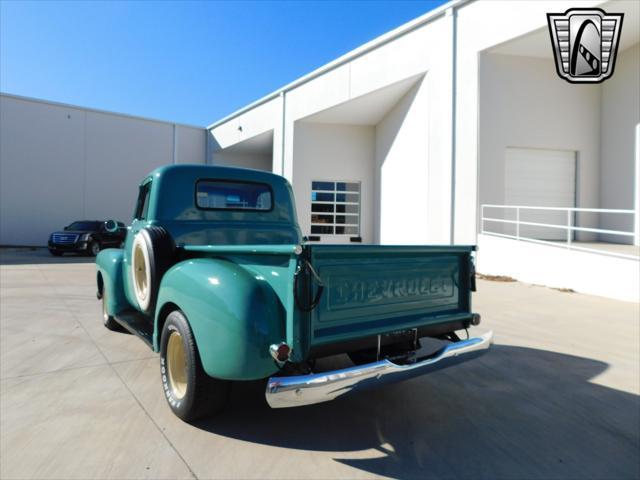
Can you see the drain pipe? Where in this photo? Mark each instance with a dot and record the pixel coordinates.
(283, 96)
(207, 160)
(453, 13)
(175, 144)
(636, 215)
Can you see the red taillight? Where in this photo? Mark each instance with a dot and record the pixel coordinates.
(280, 352)
(283, 352)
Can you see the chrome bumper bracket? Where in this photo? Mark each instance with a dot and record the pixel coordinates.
(302, 390)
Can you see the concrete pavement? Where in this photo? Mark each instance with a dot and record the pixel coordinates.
(558, 397)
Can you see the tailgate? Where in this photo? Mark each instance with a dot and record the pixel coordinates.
(377, 289)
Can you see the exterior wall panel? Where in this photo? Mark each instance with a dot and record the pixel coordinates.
(252, 123)
(482, 25)
(558, 267)
(119, 153)
(319, 94)
(62, 163)
(255, 161)
(402, 156)
(339, 153)
(41, 170)
(524, 104)
(620, 115)
(450, 207)
(191, 144)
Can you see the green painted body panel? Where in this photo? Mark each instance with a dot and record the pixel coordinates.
(235, 272)
(109, 263)
(234, 314)
(377, 289)
(243, 249)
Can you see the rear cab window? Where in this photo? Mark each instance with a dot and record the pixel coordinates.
(233, 195)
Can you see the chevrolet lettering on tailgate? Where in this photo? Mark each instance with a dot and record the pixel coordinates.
(345, 292)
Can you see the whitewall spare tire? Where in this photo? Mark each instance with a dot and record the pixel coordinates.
(152, 254)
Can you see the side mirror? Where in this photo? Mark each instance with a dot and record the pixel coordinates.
(111, 226)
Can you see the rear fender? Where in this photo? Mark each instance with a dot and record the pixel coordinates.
(109, 265)
(234, 315)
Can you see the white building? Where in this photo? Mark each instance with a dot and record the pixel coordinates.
(407, 139)
(460, 108)
(60, 163)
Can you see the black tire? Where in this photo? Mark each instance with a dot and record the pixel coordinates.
(54, 253)
(204, 395)
(108, 320)
(161, 254)
(94, 248)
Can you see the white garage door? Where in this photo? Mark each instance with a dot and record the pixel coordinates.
(541, 178)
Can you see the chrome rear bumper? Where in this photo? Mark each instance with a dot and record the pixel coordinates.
(301, 390)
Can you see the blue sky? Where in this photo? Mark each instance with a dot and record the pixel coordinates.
(188, 62)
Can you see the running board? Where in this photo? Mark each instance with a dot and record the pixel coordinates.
(137, 324)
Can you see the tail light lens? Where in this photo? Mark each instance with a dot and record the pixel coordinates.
(280, 352)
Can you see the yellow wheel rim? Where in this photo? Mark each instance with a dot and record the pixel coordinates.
(140, 274)
(177, 365)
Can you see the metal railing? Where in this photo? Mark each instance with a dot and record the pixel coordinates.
(569, 227)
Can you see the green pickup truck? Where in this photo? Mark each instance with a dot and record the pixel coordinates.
(216, 277)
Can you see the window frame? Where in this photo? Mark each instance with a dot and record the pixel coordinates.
(335, 203)
(142, 207)
(229, 180)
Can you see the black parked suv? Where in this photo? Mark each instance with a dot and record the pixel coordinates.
(87, 236)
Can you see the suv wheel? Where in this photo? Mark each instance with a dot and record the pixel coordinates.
(94, 248)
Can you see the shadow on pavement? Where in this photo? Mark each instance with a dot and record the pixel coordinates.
(39, 255)
(514, 413)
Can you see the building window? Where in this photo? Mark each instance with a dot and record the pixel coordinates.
(335, 208)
